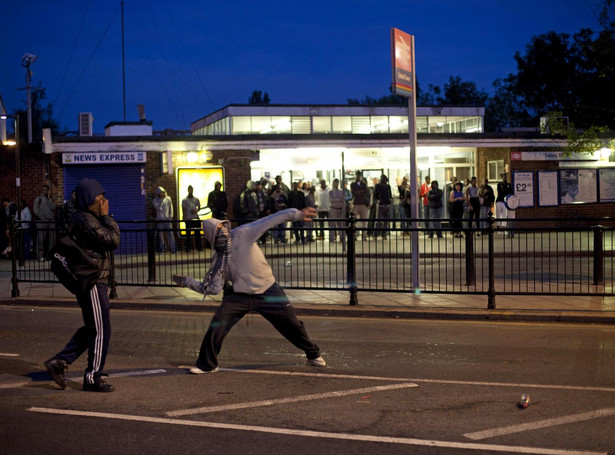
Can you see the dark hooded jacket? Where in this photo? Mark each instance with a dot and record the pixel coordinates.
(98, 236)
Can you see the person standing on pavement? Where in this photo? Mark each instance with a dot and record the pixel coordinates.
(504, 189)
(487, 197)
(217, 202)
(435, 209)
(382, 198)
(190, 212)
(360, 201)
(323, 203)
(98, 234)
(164, 214)
(236, 257)
(44, 213)
(425, 187)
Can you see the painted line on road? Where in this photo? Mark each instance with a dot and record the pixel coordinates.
(427, 381)
(299, 398)
(137, 373)
(8, 354)
(540, 424)
(123, 374)
(317, 434)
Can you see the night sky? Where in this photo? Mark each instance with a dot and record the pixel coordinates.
(186, 59)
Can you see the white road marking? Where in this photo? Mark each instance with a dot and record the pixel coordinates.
(137, 373)
(122, 374)
(8, 354)
(14, 385)
(429, 381)
(318, 434)
(540, 424)
(316, 396)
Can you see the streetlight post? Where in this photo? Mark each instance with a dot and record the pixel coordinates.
(16, 248)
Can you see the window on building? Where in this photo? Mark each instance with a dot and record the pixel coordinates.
(321, 124)
(494, 169)
(342, 124)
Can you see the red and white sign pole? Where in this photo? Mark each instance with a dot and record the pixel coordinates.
(404, 83)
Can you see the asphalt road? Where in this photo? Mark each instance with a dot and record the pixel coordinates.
(391, 386)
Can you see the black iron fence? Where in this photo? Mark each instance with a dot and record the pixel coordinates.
(527, 256)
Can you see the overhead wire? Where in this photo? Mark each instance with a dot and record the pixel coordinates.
(72, 52)
(78, 81)
(144, 33)
(188, 55)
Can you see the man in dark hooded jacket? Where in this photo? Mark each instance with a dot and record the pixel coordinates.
(98, 234)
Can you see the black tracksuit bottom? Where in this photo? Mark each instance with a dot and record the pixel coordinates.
(94, 336)
(273, 305)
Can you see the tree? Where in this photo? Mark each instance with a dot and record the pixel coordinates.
(573, 75)
(257, 97)
(581, 142)
(42, 117)
(387, 100)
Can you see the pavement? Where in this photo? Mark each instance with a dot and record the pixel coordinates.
(537, 308)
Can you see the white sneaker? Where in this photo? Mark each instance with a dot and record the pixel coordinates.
(197, 370)
(317, 362)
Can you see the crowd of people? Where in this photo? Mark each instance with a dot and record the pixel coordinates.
(375, 207)
(37, 227)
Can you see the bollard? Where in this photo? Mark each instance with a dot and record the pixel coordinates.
(490, 234)
(470, 262)
(598, 254)
(351, 278)
(112, 282)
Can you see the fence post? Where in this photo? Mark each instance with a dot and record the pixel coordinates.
(490, 234)
(151, 254)
(470, 262)
(14, 240)
(351, 279)
(598, 254)
(112, 282)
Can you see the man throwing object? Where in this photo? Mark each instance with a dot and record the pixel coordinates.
(237, 257)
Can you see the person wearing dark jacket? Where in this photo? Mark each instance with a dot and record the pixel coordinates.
(434, 196)
(383, 197)
(98, 234)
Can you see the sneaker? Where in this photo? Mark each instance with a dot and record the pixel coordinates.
(197, 370)
(57, 370)
(99, 386)
(317, 362)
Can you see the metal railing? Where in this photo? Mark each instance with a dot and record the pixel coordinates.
(531, 256)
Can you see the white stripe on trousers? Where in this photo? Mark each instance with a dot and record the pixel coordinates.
(98, 342)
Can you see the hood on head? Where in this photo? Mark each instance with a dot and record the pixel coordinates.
(160, 190)
(210, 226)
(86, 191)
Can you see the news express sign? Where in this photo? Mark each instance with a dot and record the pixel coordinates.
(402, 58)
(103, 157)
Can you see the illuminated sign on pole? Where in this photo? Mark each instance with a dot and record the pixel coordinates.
(402, 59)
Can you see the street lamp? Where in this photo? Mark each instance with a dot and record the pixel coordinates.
(27, 60)
(15, 117)
(15, 143)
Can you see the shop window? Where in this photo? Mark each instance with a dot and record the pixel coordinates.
(241, 124)
(321, 124)
(494, 169)
(342, 124)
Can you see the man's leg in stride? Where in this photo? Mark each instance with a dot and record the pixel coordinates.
(232, 309)
(274, 306)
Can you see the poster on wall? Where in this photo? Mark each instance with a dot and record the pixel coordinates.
(547, 189)
(523, 187)
(578, 186)
(607, 184)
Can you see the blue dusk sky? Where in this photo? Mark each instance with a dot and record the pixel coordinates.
(186, 59)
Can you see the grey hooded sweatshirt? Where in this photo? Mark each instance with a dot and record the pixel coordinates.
(248, 268)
